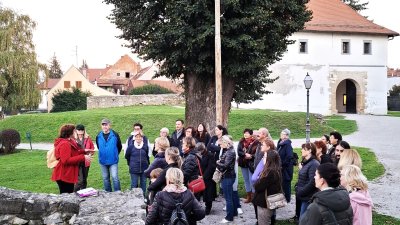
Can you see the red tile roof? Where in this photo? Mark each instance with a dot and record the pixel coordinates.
(336, 16)
(393, 72)
(93, 74)
(49, 84)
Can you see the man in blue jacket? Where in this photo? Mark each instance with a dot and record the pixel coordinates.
(109, 145)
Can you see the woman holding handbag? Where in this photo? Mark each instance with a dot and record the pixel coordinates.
(191, 163)
(269, 183)
(208, 166)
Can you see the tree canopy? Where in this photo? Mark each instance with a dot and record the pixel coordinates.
(180, 34)
(356, 5)
(55, 68)
(19, 69)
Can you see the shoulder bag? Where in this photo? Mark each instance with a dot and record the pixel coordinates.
(275, 201)
(198, 184)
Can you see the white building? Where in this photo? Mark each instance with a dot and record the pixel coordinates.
(346, 56)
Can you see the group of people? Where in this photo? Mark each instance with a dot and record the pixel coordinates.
(330, 184)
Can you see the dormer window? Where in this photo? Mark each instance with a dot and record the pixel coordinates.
(345, 46)
(303, 46)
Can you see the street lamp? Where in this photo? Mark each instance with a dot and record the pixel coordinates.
(308, 83)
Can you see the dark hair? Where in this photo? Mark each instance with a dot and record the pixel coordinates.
(138, 125)
(224, 130)
(330, 173)
(310, 146)
(66, 131)
(250, 131)
(200, 136)
(180, 121)
(200, 148)
(321, 145)
(272, 163)
(327, 138)
(344, 144)
(336, 135)
(193, 131)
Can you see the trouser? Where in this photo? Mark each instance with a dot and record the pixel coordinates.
(231, 209)
(247, 180)
(286, 189)
(106, 171)
(65, 187)
(264, 215)
(135, 177)
(82, 177)
(304, 205)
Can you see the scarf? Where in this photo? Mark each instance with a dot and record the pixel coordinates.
(138, 146)
(247, 142)
(174, 188)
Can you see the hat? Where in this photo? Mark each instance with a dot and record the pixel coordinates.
(80, 127)
(105, 121)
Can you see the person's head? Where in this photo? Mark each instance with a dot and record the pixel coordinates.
(325, 139)
(263, 133)
(285, 134)
(327, 175)
(201, 128)
(321, 147)
(247, 133)
(179, 124)
(226, 142)
(189, 132)
(220, 131)
(267, 145)
(66, 131)
(201, 148)
(174, 176)
(137, 127)
(80, 130)
(335, 137)
(164, 132)
(138, 137)
(155, 173)
(172, 156)
(349, 157)
(340, 148)
(105, 125)
(188, 143)
(352, 178)
(161, 144)
(308, 150)
(272, 163)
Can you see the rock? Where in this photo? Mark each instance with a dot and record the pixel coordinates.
(17, 221)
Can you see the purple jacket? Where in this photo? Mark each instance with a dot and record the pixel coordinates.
(361, 203)
(257, 171)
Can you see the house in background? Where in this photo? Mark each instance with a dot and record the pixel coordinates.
(393, 78)
(346, 56)
(45, 87)
(74, 78)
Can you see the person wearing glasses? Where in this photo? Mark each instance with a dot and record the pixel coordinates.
(109, 144)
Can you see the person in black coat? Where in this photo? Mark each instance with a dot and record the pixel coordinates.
(161, 144)
(213, 146)
(160, 212)
(208, 167)
(202, 134)
(191, 162)
(285, 151)
(322, 157)
(178, 135)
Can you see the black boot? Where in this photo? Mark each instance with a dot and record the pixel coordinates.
(208, 207)
(273, 219)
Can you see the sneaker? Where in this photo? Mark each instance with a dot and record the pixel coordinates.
(224, 208)
(225, 221)
(239, 211)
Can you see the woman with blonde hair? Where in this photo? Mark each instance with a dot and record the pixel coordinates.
(355, 182)
(161, 144)
(174, 193)
(349, 157)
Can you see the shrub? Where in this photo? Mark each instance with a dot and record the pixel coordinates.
(150, 89)
(10, 139)
(395, 91)
(70, 100)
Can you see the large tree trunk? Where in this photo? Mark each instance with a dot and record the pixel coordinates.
(200, 101)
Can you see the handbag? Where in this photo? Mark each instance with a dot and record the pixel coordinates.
(217, 176)
(198, 184)
(275, 201)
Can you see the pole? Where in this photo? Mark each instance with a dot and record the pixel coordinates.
(308, 131)
(218, 76)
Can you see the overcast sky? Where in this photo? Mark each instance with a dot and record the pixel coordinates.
(66, 26)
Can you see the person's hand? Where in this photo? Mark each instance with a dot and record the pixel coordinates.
(200, 177)
(88, 158)
(247, 156)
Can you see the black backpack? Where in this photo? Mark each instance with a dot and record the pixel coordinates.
(295, 159)
(178, 216)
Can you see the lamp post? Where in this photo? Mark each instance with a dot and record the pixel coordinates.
(308, 83)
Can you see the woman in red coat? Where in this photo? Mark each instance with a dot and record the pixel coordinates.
(69, 155)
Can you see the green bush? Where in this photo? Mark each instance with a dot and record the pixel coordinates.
(395, 91)
(150, 89)
(69, 100)
(10, 139)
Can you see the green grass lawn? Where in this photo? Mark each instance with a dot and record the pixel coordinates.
(394, 113)
(44, 127)
(26, 170)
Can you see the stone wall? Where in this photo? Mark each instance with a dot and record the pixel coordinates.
(94, 102)
(19, 207)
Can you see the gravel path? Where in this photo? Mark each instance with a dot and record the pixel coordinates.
(379, 133)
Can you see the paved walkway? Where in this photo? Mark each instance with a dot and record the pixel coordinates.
(379, 133)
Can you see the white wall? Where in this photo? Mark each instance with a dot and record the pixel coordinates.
(43, 100)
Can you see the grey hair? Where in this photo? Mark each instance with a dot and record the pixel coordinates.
(265, 132)
(227, 139)
(286, 131)
(164, 129)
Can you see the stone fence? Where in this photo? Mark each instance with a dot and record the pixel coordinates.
(94, 102)
(19, 207)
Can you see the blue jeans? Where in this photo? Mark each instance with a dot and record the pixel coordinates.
(304, 205)
(106, 170)
(227, 186)
(135, 181)
(247, 179)
(236, 201)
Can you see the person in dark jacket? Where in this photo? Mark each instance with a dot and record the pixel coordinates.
(137, 158)
(334, 139)
(137, 127)
(109, 144)
(285, 151)
(332, 204)
(174, 160)
(178, 135)
(161, 144)
(213, 146)
(191, 162)
(322, 157)
(202, 135)
(160, 212)
(208, 166)
(227, 166)
(269, 181)
(305, 187)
